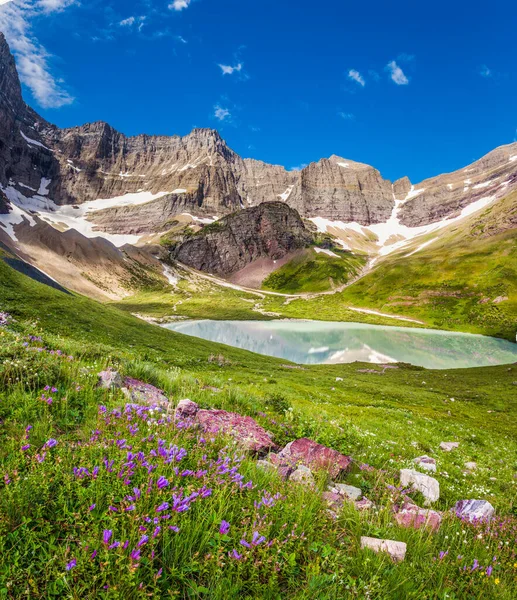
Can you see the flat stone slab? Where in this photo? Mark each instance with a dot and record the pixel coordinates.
(427, 486)
(396, 550)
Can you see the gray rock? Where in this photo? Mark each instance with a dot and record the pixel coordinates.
(471, 466)
(110, 379)
(474, 510)
(396, 550)
(449, 446)
(348, 491)
(427, 463)
(302, 475)
(427, 486)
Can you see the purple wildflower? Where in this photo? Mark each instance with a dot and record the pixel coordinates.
(71, 565)
(106, 536)
(224, 528)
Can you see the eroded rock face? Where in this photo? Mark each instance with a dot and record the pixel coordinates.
(313, 455)
(270, 230)
(4, 204)
(396, 550)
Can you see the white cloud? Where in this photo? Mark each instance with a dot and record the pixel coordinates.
(299, 167)
(31, 57)
(396, 73)
(223, 114)
(346, 116)
(357, 77)
(4, 2)
(228, 70)
(179, 4)
(127, 22)
(485, 71)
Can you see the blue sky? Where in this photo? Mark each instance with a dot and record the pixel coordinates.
(412, 88)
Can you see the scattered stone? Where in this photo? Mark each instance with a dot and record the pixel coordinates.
(265, 465)
(364, 504)
(471, 466)
(144, 393)
(449, 446)
(110, 380)
(474, 510)
(339, 379)
(186, 409)
(211, 388)
(246, 431)
(302, 475)
(335, 501)
(411, 515)
(428, 486)
(427, 463)
(311, 454)
(396, 550)
(347, 491)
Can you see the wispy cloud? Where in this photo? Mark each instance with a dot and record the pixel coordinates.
(133, 21)
(31, 57)
(221, 113)
(229, 70)
(346, 116)
(299, 167)
(486, 72)
(396, 73)
(357, 77)
(179, 4)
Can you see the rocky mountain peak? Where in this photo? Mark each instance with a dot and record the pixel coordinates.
(10, 88)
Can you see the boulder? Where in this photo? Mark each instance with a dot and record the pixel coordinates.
(427, 463)
(349, 492)
(144, 393)
(313, 455)
(474, 510)
(302, 475)
(186, 409)
(396, 550)
(246, 431)
(410, 515)
(428, 486)
(364, 504)
(449, 446)
(471, 466)
(110, 379)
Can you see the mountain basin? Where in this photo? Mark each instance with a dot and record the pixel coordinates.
(323, 342)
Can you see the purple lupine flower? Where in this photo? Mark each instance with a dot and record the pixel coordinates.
(224, 528)
(489, 571)
(174, 528)
(163, 506)
(26, 447)
(114, 545)
(93, 554)
(50, 443)
(162, 483)
(135, 555)
(91, 507)
(257, 538)
(235, 554)
(106, 536)
(113, 508)
(156, 532)
(245, 544)
(143, 540)
(71, 565)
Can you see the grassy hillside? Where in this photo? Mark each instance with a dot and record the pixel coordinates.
(53, 518)
(314, 272)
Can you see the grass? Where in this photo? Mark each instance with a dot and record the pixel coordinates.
(312, 272)
(62, 341)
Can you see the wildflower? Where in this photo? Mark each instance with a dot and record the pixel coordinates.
(163, 506)
(92, 507)
(51, 443)
(26, 447)
(245, 544)
(224, 528)
(496, 581)
(489, 571)
(106, 536)
(135, 555)
(162, 483)
(93, 554)
(71, 565)
(143, 540)
(235, 554)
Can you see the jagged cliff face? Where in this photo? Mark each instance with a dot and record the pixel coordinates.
(270, 230)
(201, 175)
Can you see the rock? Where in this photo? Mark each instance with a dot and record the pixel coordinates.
(246, 431)
(410, 515)
(396, 550)
(265, 465)
(186, 409)
(474, 510)
(144, 393)
(449, 446)
(364, 504)
(427, 463)
(110, 379)
(428, 486)
(471, 466)
(313, 455)
(302, 475)
(348, 491)
(335, 501)
(339, 379)
(270, 230)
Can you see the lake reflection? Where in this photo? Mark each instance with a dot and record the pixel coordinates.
(318, 342)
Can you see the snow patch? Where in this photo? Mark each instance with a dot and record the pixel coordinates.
(43, 186)
(424, 245)
(170, 275)
(482, 185)
(287, 193)
(325, 251)
(33, 142)
(513, 158)
(344, 165)
(179, 191)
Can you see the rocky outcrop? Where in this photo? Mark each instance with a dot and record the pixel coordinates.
(4, 204)
(270, 230)
(427, 486)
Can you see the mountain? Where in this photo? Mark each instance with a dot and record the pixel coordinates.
(271, 230)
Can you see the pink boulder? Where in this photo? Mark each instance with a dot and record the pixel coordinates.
(245, 430)
(315, 456)
(335, 501)
(144, 393)
(186, 409)
(364, 504)
(411, 516)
